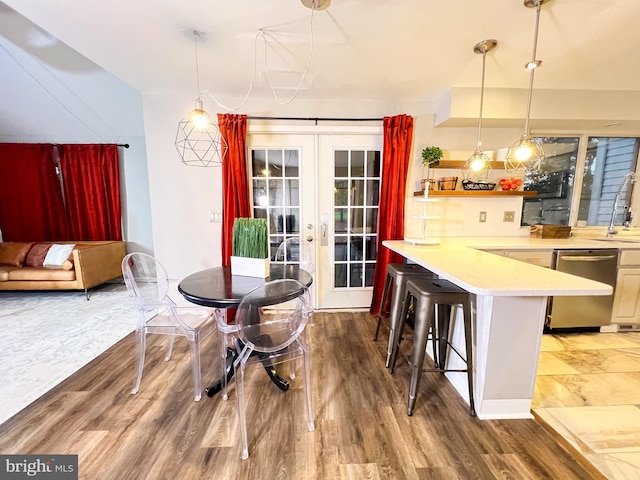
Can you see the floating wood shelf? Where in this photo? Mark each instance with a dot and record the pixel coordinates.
(477, 193)
(460, 164)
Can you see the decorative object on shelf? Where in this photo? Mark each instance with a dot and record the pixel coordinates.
(250, 248)
(447, 183)
(430, 156)
(479, 185)
(198, 140)
(507, 184)
(526, 154)
(478, 166)
(427, 184)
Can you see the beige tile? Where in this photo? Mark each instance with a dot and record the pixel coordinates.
(550, 343)
(613, 429)
(600, 361)
(549, 392)
(550, 364)
(604, 388)
(593, 341)
(633, 337)
(620, 466)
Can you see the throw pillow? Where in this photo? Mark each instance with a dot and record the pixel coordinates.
(57, 255)
(14, 253)
(35, 257)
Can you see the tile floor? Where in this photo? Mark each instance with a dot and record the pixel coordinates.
(588, 390)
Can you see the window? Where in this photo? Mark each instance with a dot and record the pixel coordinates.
(574, 186)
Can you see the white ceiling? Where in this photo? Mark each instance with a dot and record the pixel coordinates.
(362, 49)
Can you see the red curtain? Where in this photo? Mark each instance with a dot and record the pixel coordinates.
(235, 187)
(31, 207)
(92, 190)
(398, 134)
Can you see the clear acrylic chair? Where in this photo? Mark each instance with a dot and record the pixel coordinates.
(291, 251)
(148, 284)
(271, 321)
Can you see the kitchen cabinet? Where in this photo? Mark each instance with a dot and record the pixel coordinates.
(626, 299)
(541, 258)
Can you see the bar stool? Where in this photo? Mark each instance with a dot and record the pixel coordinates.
(427, 294)
(398, 274)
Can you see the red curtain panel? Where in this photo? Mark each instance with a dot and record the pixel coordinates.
(92, 190)
(235, 187)
(398, 135)
(31, 206)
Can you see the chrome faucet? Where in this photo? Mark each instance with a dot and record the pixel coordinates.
(629, 177)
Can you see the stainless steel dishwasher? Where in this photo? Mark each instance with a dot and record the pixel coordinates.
(588, 310)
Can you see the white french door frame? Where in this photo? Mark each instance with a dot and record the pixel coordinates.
(316, 131)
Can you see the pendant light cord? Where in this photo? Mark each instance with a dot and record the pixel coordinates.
(484, 58)
(196, 34)
(261, 34)
(532, 66)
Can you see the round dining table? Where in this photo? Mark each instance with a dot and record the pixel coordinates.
(218, 288)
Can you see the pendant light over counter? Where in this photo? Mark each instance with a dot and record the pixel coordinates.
(199, 141)
(478, 166)
(526, 155)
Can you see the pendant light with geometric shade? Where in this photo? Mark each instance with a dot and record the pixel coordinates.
(199, 141)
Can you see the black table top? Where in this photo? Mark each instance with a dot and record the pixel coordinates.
(216, 287)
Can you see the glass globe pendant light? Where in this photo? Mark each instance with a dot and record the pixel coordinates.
(478, 166)
(199, 141)
(526, 155)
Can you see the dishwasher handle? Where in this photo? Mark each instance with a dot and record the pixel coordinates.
(587, 258)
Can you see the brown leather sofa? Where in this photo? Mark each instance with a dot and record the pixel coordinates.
(91, 263)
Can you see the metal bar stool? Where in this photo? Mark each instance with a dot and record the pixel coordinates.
(398, 274)
(427, 294)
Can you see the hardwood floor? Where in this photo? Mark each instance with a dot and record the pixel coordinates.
(362, 430)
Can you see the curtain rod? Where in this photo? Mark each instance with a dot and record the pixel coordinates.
(125, 145)
(317, 119)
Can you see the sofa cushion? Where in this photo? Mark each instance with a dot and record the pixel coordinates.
(4, 272)
(57, 255)
(41, 273)
(35, 257)
(14, 253)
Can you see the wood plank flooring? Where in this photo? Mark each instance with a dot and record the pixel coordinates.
(362, 430)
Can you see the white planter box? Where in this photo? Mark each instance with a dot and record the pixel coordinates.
(250, 267)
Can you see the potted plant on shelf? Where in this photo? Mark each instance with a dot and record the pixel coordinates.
(430, 156)
(250, 247)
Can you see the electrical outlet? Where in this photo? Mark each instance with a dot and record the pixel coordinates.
(483, 217)
(509, 216)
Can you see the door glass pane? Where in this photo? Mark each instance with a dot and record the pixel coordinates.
(276, 195)
(357, 187)
(607, 163)
(553, 183)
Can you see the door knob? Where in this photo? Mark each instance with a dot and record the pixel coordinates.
(309, 238)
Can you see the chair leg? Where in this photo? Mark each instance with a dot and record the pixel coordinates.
(141, 342)
(383, 302)
(307, 384)
(195, 367)
(242, 418)
(167, 356)
(424, 321)
(396, 334)
(468, 338)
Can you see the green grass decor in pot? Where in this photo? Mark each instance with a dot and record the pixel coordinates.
(250, 247)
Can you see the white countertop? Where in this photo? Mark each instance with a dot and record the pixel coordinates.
(459, 260)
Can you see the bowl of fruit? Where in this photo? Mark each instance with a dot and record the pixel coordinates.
(508, 184)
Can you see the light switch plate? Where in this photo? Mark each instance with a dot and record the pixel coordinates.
(509, 216)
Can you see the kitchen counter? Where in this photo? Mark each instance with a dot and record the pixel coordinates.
(510, 308)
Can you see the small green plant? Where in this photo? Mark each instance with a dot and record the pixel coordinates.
(431, 155)
(249, 238)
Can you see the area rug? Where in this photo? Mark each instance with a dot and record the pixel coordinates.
(47, 336)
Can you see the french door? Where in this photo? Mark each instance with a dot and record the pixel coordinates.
(320, 191)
